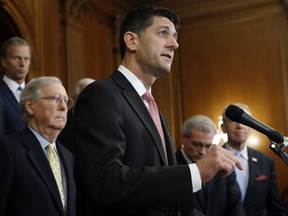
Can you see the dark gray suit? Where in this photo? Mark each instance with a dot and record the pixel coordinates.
(120, 155)
(27, 184)
(221, 196)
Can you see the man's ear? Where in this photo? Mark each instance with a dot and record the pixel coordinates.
(223, 128)
(3, 63)
(183, 138)
(29, 107)
(131, 40)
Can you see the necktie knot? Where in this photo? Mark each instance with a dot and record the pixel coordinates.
(148, 96)
(50, 147)
(19, 89)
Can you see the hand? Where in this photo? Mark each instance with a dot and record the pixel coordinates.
(220, 160)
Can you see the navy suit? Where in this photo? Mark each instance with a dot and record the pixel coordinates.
(27, 184)
(11, 113)
(221, 196)
(121, 159)
(262, 196)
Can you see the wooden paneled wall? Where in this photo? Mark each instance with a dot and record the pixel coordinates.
(230, 51)
(238, 55)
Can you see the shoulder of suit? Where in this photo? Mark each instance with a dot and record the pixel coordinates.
(255, 153)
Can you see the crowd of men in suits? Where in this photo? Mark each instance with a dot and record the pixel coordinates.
(121, 161)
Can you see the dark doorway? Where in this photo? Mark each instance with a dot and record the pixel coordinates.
(8, 29)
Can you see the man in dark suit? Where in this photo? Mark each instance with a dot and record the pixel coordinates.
(124, 167)
(15, 60)
(260, 193)
(219, 196)
(37, 172)
(65, 133)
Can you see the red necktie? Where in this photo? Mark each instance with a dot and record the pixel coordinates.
(155, 116)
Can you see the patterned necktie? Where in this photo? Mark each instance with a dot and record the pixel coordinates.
(155, 116)
(55, 166)
(241, 178)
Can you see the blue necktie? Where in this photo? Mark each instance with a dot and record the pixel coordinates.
(19, 89)
(241, 178)
(18, 93)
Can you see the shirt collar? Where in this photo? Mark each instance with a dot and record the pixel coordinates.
(135, 82)
(43, 142)
(13, 86)
(243, 152)
(185, 155)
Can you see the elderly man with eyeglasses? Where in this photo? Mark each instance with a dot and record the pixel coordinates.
(220, 196)
(37, 172)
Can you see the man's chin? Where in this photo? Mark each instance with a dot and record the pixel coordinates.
(59, 127)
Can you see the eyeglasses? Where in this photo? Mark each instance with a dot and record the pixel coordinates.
(56, 99)
(199, 146)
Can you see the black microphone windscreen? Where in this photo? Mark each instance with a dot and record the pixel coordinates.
(234, 112)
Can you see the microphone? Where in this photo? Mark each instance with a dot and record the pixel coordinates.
(237, 114)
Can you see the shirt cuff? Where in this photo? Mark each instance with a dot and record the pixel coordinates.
(195, 177)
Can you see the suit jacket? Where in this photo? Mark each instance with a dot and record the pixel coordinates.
(120, 155)
(220, 197)
(27, 184)
(11, 113)
(2, 123)
(262, 195)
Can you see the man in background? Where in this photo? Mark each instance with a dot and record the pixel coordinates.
(15, 56)
(65, 136)
(258, 188)
(219, 196)
(79, 86)
(37, 172)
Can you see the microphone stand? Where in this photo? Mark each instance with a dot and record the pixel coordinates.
(280, 151)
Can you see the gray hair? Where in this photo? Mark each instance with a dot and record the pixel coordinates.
(202, 122)
(241, 105)
(82, 83)
(12, 42)
(33, 91)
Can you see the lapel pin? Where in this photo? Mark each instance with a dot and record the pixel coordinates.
(254, 159)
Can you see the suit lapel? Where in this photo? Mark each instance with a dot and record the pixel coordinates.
(201, 198)
(68, 166)
(169, 145)
(208, 190)
(8, 94)
(252, 172)
(139, 107)
(39, 161)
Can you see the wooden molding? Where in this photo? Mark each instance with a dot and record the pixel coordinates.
(74, 9)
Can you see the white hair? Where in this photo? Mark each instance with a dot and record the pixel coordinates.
(81, 84)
